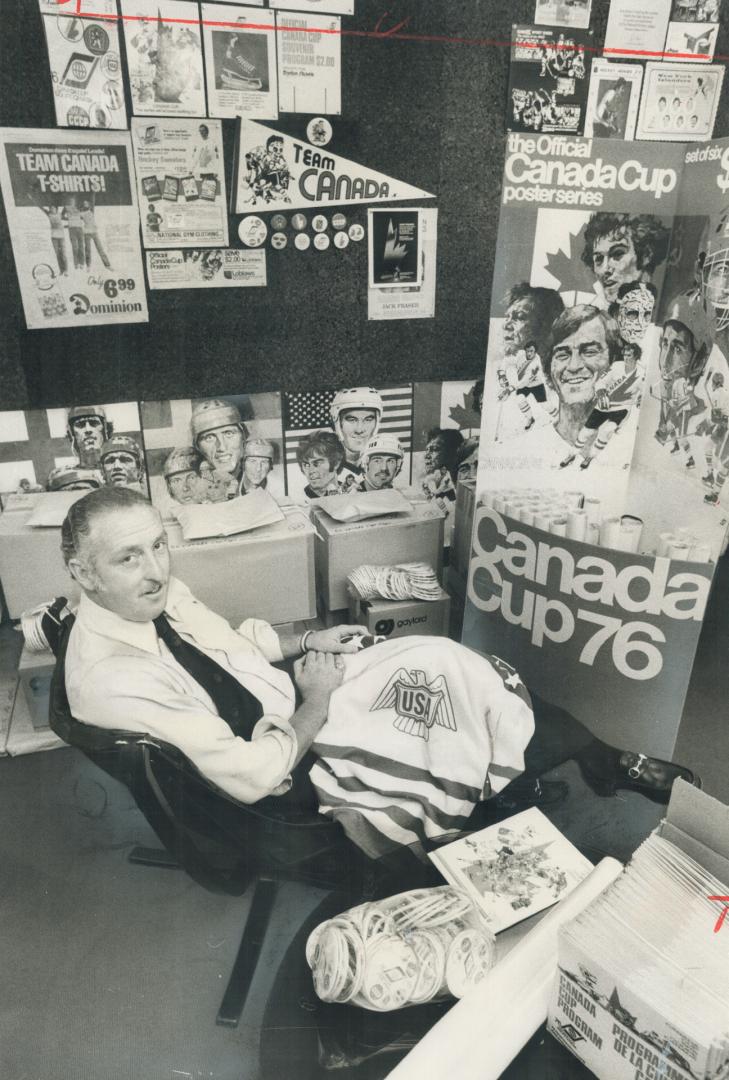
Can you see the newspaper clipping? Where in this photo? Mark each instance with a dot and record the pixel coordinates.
(83, 55)
(563, 13)
(679, 103)
(693, 29)
(275, 171)
(411, 301)
(548, 80)
(164, 57)
(216, 268)
(593, 546)
(612, 104)
(181, 182)
(309, 63)
(74, 225)
(240, 60)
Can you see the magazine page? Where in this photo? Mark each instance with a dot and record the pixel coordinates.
(74, 226)
(413, 301)
(693, 29)
(563, 12)
(679, 102)
(164, 57)
(181, 182)
(513, 869)
(85, 66)
(394, 249)
(213, 268)
(613, 100)
(570, 580)
(309, 63)
(548, 79)
(240, 61)
(637, 27)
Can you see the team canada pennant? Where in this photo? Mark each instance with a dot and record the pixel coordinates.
(277, 172)
(418, 703)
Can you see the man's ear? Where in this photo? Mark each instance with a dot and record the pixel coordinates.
(82, 571)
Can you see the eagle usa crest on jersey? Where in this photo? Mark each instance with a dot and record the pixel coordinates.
(418, 704)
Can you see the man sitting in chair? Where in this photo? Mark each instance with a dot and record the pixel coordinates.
(408, 735)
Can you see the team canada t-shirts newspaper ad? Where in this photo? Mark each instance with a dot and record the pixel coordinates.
(74, 225)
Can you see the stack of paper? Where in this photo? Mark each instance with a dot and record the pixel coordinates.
(642, 988)
(239, 515)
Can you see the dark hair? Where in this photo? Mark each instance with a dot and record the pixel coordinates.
(452, 441)
(571, 320)
(547, 305)
(322, 442)
(635, 347)
(467, 448)
(273, 139)
(649, 235)
(476, 393)
(77, 523)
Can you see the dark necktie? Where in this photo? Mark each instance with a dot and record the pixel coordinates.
(236, 705)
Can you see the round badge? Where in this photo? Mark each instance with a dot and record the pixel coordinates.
(279, 240)
(70, 28)
(111, 65)
(319, 131)
(319, 223)
(299, 221)
(278, 222)
(77, 117)
(341, 240)
(356, 232)
(302, 241)
(96, 39)
(339, 221)
(114, 95)
(252, 230)
(321, 241)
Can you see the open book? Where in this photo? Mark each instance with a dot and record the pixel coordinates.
(513, 869)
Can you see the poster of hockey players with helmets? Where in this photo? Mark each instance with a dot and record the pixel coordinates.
(599, 515)
(79, 448)
(355, 439)
(213, 450)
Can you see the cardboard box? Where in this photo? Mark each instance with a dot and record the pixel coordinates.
(265, 574)
(31, 566)
(413, 537)
(600, 1031)
(34, 672)
(398, 618)
(460, 555)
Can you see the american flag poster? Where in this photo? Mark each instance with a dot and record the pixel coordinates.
(309, 411)
(34, 442)
(166, 426)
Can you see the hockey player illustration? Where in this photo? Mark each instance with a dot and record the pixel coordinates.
(685, 346)
(355, 414)
(618, 392)
(74, 478)
(181, 473)
(258, 455)
(87, 429)
(717, 436)
(441, 466)
(267, 172)
(620, 248)
(633, 309)
(530, 312)
(319, 456)
(219, 434)
(121, 462)
(381, 463)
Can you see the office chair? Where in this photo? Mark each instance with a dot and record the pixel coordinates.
(223, 845)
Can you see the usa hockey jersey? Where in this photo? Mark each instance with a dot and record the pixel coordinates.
(421, 730)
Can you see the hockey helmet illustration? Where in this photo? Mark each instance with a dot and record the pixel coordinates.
(73, 477)
(182, 459)
(713, 268)
(212, 414)
(383, 444)
(82, 412)
(359, 397)
(258, 448)
(121, 443)
(690, 314)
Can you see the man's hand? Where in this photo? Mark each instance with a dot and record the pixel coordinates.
(333, 640)
(318, 675)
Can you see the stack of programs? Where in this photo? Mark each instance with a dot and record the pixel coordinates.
(642, 988)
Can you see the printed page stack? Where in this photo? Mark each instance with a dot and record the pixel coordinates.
(643, 983)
